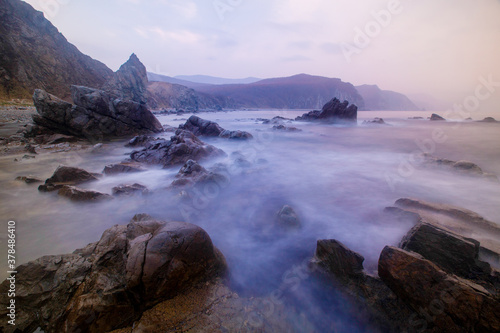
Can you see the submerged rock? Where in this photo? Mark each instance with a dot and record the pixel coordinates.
(124, 167)
(287, 218)
(465, 167)
(29, 179)
(333, 111)
(128, 190)
(375, 121)
(109, 284)
(488, 120)
(179, 149)
(202, 127)
(80, 195)
(70, 176)
(194, 174)
(286, 128)
(435, 116)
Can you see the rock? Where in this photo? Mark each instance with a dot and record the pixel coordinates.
(236, 135)
(375, 121)
(339, 260)
(140, 141)
(202, 127)
(70, 176)
(451, 252)
(466, 167)
(217, 309)
(488, 120)
(182, 147)
(32, 48)
(445, 302)
(29, 179)
(435, 116)
(124, 167)
(30, 149)
(98, 114)
(286, 128)
(80, 195)
(128, 190)
(129, 82)
(415, 118)
(194, 174)
(28, 157)
(368, 294)
(287, 218)
(333, 111)
(59, 138)
(278, 120)
(108, 284)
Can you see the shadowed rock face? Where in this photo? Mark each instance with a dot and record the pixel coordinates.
(462, 306)
(108, 284)
(35, 54)
(334, 111)
(435, 117)
(129, 82)
(183, 146)
(117, 110)
(202, 127)
(96, 115)
(452, 252)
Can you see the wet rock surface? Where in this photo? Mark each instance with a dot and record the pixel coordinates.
(202, 127)
(80, 195)
(464, 167)
(459, 305)
(110, 283)
(435, 282)
(192, 174)
(123, 167)
(334, 111)
(183, 146)
(129, 190)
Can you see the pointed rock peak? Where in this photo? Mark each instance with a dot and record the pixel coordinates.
(130, 81)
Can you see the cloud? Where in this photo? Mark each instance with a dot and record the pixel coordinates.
(157, 32)
(295, 58)
(331, 48)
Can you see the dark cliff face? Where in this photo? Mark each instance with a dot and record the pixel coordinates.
(33, 54)
(377, 99)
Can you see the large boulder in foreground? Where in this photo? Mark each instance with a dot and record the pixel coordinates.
(444, 302)
(95, 115)
(451, 252)
(202, 127)
(334, 112)
(182, 147)
(108, 284)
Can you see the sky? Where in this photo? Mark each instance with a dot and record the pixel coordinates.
(442, 48)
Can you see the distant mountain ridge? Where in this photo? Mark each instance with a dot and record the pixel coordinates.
(377, 99)
(205, 79)
(35, 55)
(300, 91)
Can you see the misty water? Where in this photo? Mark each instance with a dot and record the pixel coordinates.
(338, 180)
